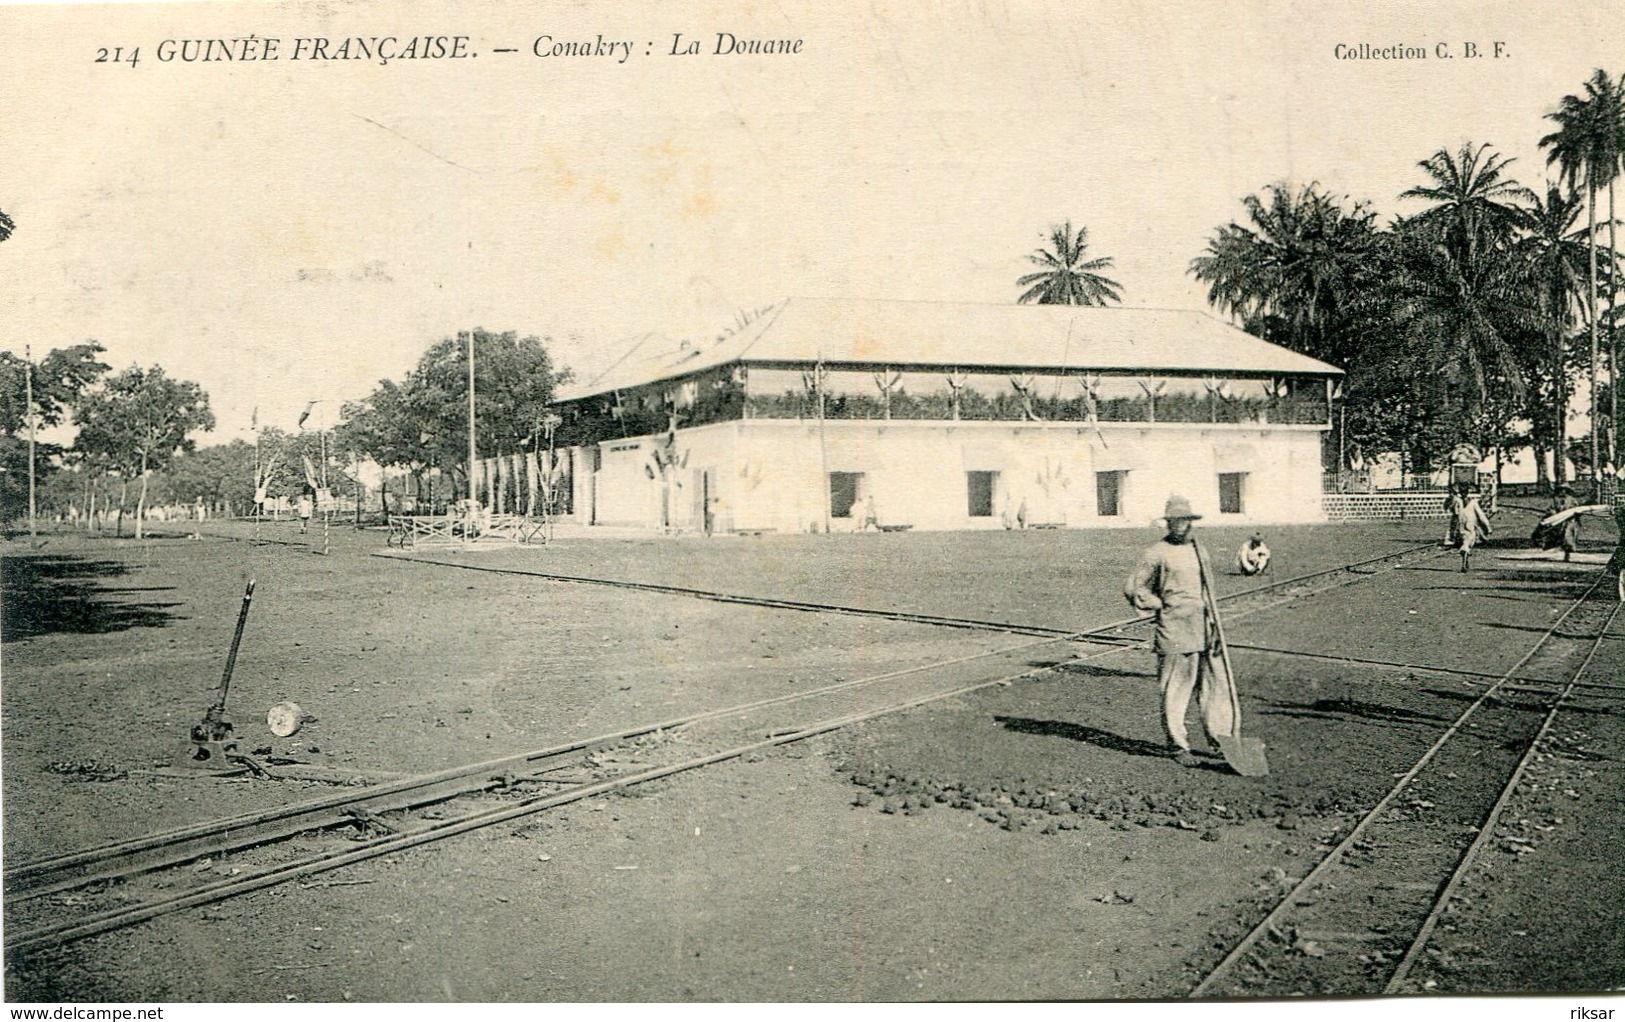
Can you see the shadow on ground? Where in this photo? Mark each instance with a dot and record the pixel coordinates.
(49, 594)
(1088, 735)
(1089, 670)
(1351, 710)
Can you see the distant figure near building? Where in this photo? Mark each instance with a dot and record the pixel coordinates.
(306, 507)
(1168, 580)
(1254, 557)
(1471, 524)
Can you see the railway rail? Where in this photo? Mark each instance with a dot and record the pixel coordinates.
(64, 898)
(1287, 589)
(1358, 922)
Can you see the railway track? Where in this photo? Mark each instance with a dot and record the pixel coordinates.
(1360, 920)
(64, 898)
(1270, 592)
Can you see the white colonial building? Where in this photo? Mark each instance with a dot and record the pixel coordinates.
(823, 414)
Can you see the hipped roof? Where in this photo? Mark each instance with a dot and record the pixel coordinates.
(902, 334)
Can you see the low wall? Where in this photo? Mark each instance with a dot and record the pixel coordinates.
(1345, 507)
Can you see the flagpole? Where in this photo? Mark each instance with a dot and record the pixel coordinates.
(259, 505)
(823, 442)
(28, 385)
(472, 451)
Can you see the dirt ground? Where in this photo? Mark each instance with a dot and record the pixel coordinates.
(1022, 842)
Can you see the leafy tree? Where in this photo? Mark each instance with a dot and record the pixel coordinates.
(58, 380)
(1066, 278)
(138, 420)
(7, 225)
(387, 428)
(1394, 405)
(220, 475)
(425, 419)
(283, 457)
(1293, 275)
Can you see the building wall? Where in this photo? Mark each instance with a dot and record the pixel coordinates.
(773, 474)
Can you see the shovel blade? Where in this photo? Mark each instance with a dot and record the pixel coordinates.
(1245, 755)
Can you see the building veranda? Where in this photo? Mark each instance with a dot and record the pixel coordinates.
(831, 415)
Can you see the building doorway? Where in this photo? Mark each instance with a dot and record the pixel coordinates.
(1232, 489)
(979, 487)
(843, 493)
(1109, 488)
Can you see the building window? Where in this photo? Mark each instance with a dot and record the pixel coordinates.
(979, 488)
(1231, 487)
(843, 493)
(1109, 493)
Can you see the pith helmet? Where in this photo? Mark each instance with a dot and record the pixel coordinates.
(1178, 507)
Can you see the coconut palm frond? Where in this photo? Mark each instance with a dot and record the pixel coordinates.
(1067, 278)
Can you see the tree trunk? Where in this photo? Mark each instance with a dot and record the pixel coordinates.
(141, 501)
(1561, 402)
(123, 495)
(1613, 335)
(1591, 259)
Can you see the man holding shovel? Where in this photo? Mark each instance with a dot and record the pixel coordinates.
(1172, 581)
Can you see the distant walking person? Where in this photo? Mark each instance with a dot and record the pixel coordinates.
(1453, 503)
(1254, 557)
(1471, 524)
(871, 514)
(307, 506)
(1168, 580)
(1567, 534)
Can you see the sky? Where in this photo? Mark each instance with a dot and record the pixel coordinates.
(287, 231)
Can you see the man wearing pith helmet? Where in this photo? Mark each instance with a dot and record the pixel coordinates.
(1168, 581)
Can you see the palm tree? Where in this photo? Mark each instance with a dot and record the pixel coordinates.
(1613, 132)
(1556, 258)
(1462, 317)
(1458, 292)
(1066, 278)
(1475, 203)
(1587, 145)
(1292, 275)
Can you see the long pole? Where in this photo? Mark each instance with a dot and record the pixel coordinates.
(28, 387)
(1342, 443)
(327, 502)
(823, 441)
(473, 454)
(231, 657)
